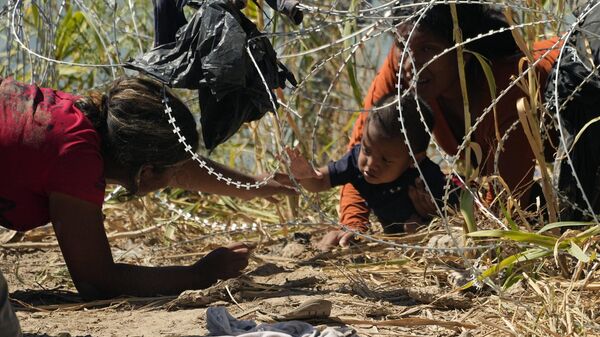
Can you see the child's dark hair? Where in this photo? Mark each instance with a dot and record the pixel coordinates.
(133, 127)
(473, 19)
(385, 120)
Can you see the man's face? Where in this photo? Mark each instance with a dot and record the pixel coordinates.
(435, 79)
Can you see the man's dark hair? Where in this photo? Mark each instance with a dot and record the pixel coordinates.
(384, 119)
(473, 19)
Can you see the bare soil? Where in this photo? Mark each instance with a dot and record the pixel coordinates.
(374, 289)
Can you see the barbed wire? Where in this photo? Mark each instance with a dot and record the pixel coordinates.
(333, 222)
(48, 59)
(346, 46)
(588, 8)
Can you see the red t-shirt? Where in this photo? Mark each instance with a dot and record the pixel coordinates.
(46, 145)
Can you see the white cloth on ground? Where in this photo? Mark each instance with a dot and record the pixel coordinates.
(220, 323)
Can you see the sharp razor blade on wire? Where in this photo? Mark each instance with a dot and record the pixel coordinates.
(363, 36)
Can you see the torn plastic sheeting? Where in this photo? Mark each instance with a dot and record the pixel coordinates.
(581, 100)
(209, 54)
(289, 8)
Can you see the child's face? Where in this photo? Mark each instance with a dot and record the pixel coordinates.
(381, 160)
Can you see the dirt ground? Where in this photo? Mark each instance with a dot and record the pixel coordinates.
(374, 289)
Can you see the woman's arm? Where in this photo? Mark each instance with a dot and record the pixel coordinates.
(195, 178)
(317, 183)
(80, 232)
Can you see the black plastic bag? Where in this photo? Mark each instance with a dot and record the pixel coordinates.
(209, 54)
(580, 58)
(287, 7)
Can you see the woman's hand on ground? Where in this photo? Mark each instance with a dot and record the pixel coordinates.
(421, 199)
(335, 238)
(225, 262)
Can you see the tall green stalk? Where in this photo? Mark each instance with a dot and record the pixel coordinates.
(466, 200)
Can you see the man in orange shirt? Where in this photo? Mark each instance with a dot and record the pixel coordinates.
(439, 85)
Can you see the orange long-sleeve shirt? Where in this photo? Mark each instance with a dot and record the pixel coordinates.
(516, 162)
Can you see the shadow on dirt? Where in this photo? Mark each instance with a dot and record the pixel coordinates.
(59, 335)
(26, 299)
(43, 300)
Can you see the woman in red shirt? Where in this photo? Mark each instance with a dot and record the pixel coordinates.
(438, 84)
(59, 150)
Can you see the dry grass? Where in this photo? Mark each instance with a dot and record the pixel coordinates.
(379, 288)
(371, 285)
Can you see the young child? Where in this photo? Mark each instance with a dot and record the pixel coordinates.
(380, 167)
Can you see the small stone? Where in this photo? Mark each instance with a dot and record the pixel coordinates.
(292, 250)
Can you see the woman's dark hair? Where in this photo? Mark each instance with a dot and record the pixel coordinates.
(384, 118)
(473, 19)
(133, 127)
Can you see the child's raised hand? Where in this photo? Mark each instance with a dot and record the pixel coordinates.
(300, 167)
